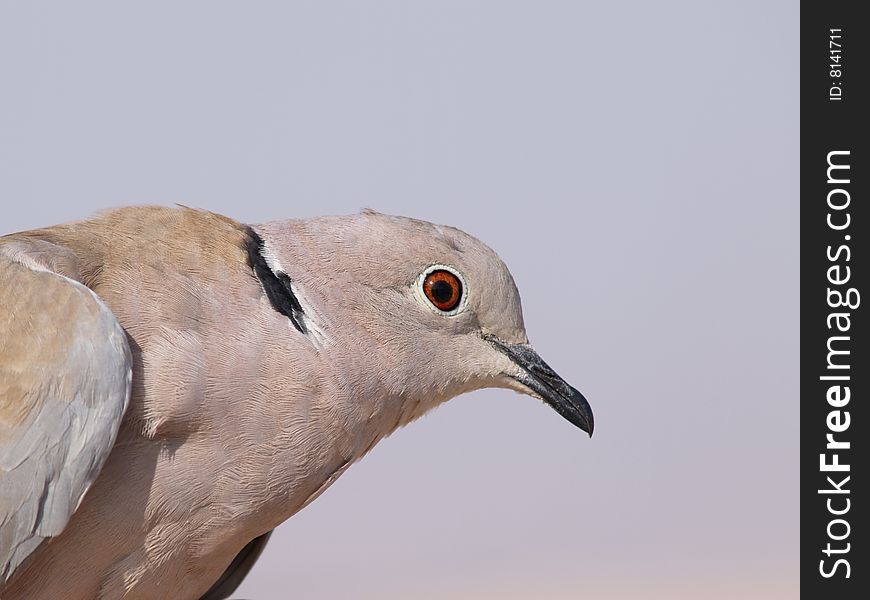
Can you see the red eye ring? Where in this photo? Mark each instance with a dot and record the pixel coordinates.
(443, 289)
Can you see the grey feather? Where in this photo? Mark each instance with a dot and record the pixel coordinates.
(65, 374)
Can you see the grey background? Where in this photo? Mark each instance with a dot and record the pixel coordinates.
(634, 163)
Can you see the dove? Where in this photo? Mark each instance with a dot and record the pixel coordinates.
(175, 384)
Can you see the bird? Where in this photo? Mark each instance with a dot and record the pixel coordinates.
(174, 383)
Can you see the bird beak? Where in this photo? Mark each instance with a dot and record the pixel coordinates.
(544, 382)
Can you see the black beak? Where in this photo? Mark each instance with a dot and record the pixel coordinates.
(541, 379)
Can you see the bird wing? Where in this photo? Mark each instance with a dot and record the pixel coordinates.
(233, 575)
(65, 374)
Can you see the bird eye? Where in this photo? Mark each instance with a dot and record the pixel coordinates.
(443, 289)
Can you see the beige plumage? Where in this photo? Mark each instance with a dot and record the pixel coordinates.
(265, 360)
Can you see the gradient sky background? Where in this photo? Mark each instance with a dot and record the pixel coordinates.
(634, 163)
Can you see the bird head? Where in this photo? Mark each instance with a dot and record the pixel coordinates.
(426, 311)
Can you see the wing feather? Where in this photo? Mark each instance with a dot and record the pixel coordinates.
(65, 373)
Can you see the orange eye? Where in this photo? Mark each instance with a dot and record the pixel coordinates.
(443, 289)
